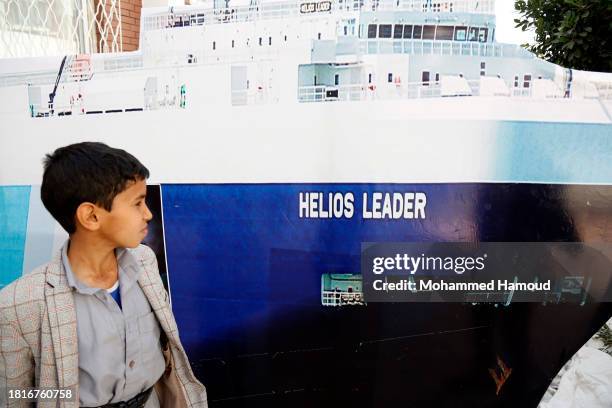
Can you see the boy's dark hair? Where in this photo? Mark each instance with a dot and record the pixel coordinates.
(86, 172)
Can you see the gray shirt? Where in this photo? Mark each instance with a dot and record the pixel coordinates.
(119, 348)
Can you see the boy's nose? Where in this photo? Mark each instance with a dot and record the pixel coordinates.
(148, 214)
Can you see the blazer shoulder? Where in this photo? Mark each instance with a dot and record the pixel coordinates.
(149, 261)
(28, 289)
(144, 252)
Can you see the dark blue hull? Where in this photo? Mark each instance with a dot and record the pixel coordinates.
(245, 279)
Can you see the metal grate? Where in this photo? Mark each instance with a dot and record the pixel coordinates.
(57, 27)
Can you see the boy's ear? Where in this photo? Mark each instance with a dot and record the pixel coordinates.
(87, 216)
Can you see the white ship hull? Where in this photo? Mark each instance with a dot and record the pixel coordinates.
(390, 141)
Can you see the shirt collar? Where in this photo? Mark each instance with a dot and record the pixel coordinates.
(129, 271)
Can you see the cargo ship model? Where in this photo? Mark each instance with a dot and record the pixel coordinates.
(238, 109)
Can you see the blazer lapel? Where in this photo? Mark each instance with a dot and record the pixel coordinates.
(63, 323)
(156, 297)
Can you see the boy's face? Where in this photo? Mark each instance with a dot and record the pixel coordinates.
(126, 224)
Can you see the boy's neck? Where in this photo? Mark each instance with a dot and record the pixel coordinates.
(93, 262)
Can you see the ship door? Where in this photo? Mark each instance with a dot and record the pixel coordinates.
(239, 85)
(150, 93)
(266, 79)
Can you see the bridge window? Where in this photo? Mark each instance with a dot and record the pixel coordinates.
(460, 33)
(526, 80)
(269, 40)
(473, 34)
(384, 31)
(425, 78)
(232, 43)
(407, 31)
(214, 45)
(390, 77)
(372, 28)
(429, 32)
(483, 66)
(444, 33)
(336, 79)
(197, 18)
(369, 78)
(398, 31)
(482, 36)
(418, 30)
(260, 41)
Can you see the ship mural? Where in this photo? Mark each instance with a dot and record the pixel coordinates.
(341, 289)
(239, 110)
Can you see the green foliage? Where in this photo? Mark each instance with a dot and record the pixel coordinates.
(605, 335)
(572, 33)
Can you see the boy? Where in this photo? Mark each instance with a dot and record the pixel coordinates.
(95, 321)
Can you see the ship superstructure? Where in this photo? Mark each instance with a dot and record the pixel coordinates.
(289, 52)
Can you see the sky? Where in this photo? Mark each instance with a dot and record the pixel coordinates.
(505, 31)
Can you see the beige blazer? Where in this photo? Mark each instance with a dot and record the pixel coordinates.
(38, 335)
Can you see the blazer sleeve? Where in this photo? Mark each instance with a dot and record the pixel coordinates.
(16, 361)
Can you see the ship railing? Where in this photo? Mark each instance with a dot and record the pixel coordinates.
(257, 96)
(521, 92)
(321, 93)
(42, 78)
(430, 89)
(78, 69)
(604, 89)
(197, 16)
(431, 47)
(338, 298)
(123, 62)
(28, 78)
(363, 92)
(474, 85)
(260, 53)
(410, 90)
(434, 6)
